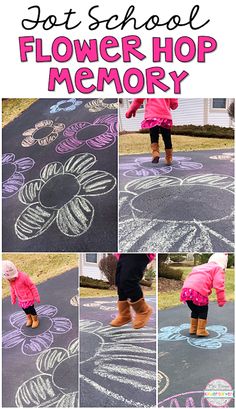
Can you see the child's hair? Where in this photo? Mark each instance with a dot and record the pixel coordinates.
(9, 269)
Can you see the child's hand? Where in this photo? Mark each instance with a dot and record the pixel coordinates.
(131, 112)
(221, 305)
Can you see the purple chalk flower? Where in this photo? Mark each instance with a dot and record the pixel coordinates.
(12, 173)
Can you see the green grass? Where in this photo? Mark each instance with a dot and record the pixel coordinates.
(140, 143)
(40, 266)
(93, 292)
(13, 107)
(171, 299)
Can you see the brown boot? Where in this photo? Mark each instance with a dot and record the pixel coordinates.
(143, 313)
(124, 315)
(169, 156)
(155, 152)
(193, 326)
(29, 321)
(35, 321)
(201, 328)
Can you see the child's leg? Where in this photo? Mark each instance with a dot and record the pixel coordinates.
(154, 136)
(124, 314)
(30, 312)
(194, 317)
(193, 308)
(166, 135)
(202, 321)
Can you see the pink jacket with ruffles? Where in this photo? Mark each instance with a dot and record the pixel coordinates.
(204, 278)
(155, 107)
(151, 256)
(23, 289)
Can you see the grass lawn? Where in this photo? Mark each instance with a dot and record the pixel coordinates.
(13, 107)
(140, 143)
(93, 292)
(171, 299)
(40, 266)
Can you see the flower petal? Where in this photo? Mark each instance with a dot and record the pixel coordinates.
(48, 139)
(96, 182)
(44, 123)
(80, 163)
(75, 217)
(17, 319)
(48, 360)
(89, 325)
(69, 145)
(28, 141)
(101, 141)
(210, 180)
(60, 325)
(70, 400)
(34, 221)
(38, 391)
(152, 182)
(37, 344)
(12, 185)
(12, 338)
(8, 158)
(50, 170)
(58, 127)
(47, 310)
(73, 129)
(24, 164)
(73, 348)
(29, 192)
(29, 132)
(188, 165)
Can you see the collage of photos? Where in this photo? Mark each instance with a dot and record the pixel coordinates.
(118, 277)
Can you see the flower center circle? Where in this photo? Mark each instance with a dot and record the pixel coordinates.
(109, 101)
(184, 203)
(91, 131)
(44, 325)
(89, 344)
(65, 105)
(42, 132)
(65, 375)
(58, 191)
(8, 170)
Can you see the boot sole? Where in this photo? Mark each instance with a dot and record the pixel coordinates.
(148, 316)
(156, 160)
(121, 325)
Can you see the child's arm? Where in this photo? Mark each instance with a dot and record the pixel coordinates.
(33, 289)
(219, 285)
(13, 295)
(133, 107)
(174, 103)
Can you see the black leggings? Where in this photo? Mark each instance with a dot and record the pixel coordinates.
(30, 310)
(166, 135)
(130, 270)
(198, 311)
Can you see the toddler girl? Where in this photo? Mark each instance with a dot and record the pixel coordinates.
(158, 119)
(22, 288)
(129, 272)
(198, 286)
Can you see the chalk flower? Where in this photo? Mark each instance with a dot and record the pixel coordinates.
(66, 105)
(218, 336)
(61, 195)
(35, 341)
(43, 133)
(100, 104)
(99, 134)
(13, 173)
(57, 381)
(155, 214)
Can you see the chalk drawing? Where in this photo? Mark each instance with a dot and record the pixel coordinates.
(13, 173)
(51, 387)
(192, 399)
(151, 219)
(218, 336)
(98, 105)
(98, 135)
(66, 105)
(43, 133)
(33, 342)
(142, 166)
(117, 358)
(163, 382)
(102, 305)
(229, 156)
(71, 210)
(75, 300)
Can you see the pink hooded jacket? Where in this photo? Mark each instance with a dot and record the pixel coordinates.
(205, 277)
(151, 256)
(155, 107)
(23, 289)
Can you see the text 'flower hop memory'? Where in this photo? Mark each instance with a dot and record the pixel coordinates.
(60, 194)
